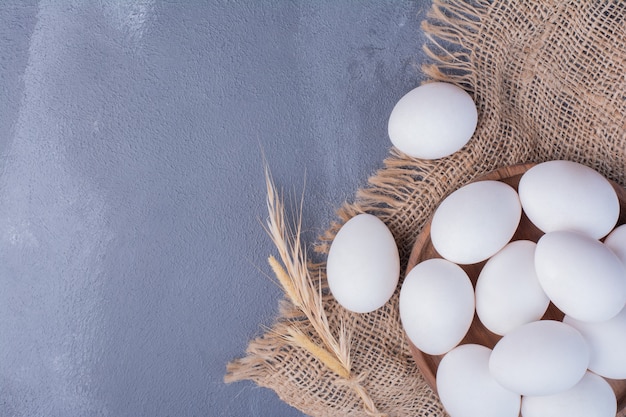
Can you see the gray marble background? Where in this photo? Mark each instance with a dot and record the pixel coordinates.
(132, 257)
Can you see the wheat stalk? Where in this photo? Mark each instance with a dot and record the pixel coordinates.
(295, 279)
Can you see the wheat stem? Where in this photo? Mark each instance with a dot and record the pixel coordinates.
(295, 277)
(306, 295)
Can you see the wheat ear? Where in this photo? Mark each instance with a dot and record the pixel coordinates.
(296, 337)
(295, 277)
(300, 289)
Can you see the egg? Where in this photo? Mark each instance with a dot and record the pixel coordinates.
(475, 221)
(582, 277)
(591, 397)
(508, 293)
(566, 195)
(606, 342)
(436, 305)
(540, 358)
(467, 389)
(363, 264)
(616, 241)
(433, 121)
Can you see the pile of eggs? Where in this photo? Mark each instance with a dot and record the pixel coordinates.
(539, 367)
(543, 367)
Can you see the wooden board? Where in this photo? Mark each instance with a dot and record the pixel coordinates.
(423, 249)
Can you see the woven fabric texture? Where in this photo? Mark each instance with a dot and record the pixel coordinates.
(549, 82)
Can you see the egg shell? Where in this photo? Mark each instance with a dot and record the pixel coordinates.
(591, 397)
(436, 305)
(508, 293)
(566, 195)
(606, 342)
(467, 389)
(433, 121)
(540, 358)
(363, 264)
(475, 221)
(616, 241)
(582, 277)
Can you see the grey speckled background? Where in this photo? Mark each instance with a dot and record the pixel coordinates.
(132, 259)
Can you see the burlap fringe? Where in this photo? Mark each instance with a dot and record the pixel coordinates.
(446, 28)
(263, 361)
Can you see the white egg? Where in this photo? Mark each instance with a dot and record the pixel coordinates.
(467, 389)
(540, 358)
(433, 121)
(606, 342)
(475, 221)
(582, 277)
(436, 305)
(565, 195)
(508, 293)
(591, 397)
(363, 265)
(616, 241)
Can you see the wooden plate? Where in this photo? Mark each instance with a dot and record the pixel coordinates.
(423, 249)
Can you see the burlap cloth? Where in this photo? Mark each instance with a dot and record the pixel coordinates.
(549, 81)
